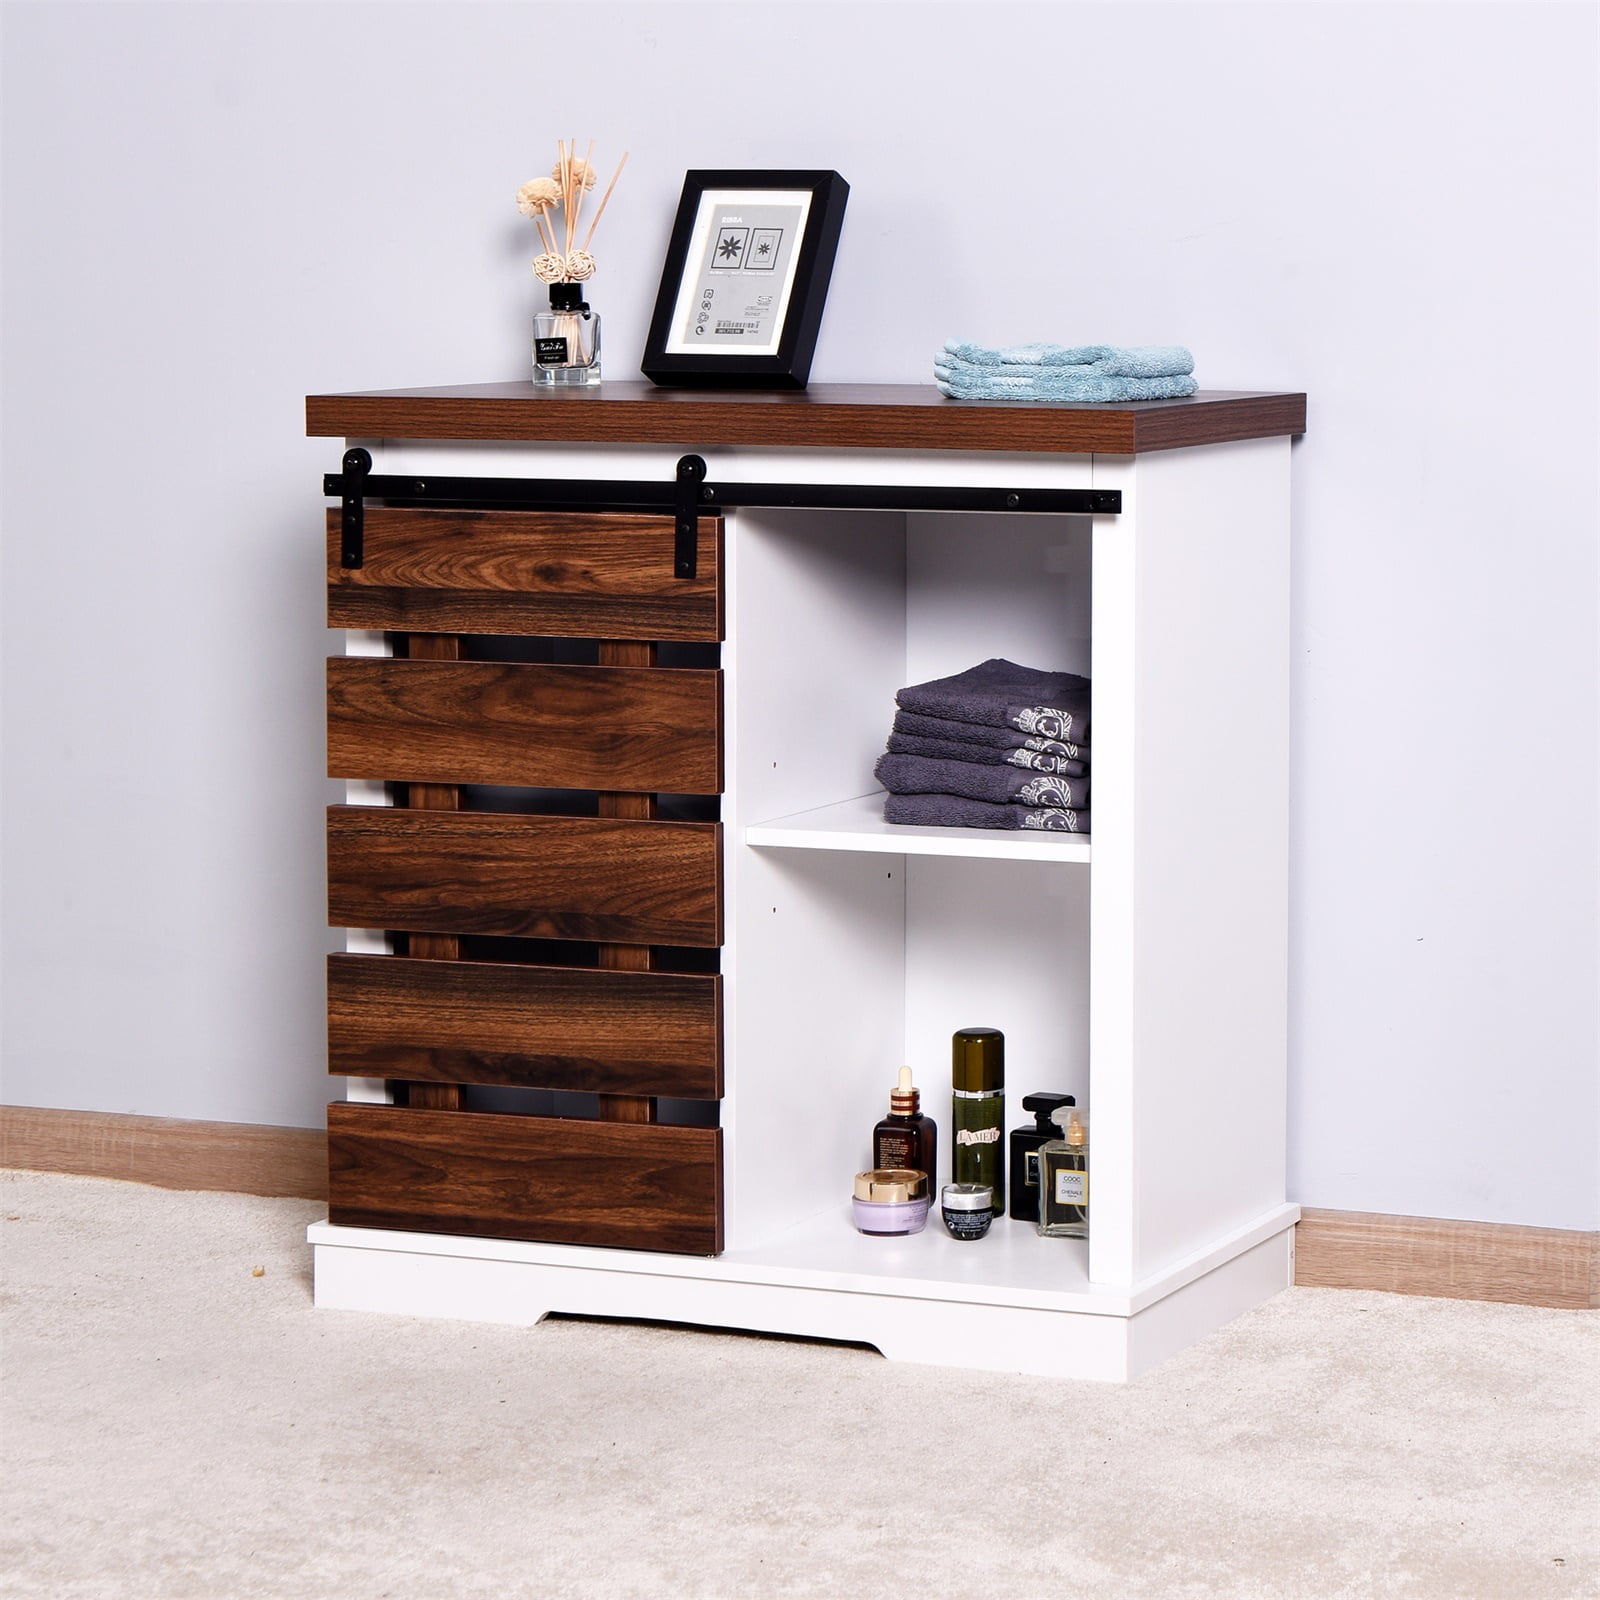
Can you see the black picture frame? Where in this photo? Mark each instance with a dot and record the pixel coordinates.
(784, 361)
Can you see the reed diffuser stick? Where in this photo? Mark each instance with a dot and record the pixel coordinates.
(572, 186)
(585, 182)
(609, 187)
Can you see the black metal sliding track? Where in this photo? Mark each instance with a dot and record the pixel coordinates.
(689, 495)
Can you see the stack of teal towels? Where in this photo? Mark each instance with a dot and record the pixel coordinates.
(1085, 372)
(997, 746)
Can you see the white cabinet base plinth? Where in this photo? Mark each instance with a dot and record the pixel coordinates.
(1083, 1331)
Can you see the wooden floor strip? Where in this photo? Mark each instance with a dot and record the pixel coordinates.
(1455, 1260)
(167, 1152)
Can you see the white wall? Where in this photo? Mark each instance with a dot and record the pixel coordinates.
(214, 209)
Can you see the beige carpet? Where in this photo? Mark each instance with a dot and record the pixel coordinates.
(178, 1427)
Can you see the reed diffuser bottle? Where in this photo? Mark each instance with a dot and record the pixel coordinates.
(566, 338)
(978, 1078)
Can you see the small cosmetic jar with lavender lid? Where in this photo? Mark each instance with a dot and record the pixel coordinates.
(891, 1200)
(967, 1209)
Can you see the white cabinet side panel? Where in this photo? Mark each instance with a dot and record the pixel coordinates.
(1113, 1256)
(1209, 856)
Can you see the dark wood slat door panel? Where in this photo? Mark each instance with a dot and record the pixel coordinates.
(562, 574)
(649, 728)
(581, 1028)
(622, 1185)
(534, 877)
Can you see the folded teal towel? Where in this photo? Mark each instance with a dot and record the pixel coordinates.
(1099, 360)
(1095, 373)
(974, 384)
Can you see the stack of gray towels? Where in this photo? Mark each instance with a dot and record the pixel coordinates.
(996, 746)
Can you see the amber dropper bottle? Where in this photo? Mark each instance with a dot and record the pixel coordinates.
(907, 1138)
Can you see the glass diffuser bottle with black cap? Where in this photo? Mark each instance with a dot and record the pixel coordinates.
(978, 1078)
(566, 338)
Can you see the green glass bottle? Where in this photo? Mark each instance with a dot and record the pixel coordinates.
(978, 1078)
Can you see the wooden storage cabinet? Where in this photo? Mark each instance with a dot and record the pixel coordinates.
(583, 1012)
(1143, 967)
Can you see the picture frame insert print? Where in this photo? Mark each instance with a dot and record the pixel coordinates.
(745, 279)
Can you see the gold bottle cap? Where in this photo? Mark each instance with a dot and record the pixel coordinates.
(1076, 1132)
(892, 1185)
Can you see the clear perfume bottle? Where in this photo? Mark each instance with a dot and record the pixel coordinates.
(1064, 1177)
(566, 339)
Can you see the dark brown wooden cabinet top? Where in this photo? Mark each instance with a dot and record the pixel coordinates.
(825, 416)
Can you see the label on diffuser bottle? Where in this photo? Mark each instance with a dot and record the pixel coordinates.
(1072, 1188)
(551, 352)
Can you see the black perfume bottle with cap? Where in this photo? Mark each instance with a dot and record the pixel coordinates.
(1025, 1142)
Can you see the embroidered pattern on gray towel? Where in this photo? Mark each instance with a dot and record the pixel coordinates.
(1045, 792)
(1057, 821)
(1046, 761)
(1044, 721)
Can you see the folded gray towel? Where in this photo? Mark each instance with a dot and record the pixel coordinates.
(976, 733)
(952, 811)
(902, 774)
(998, 693)
(1030, 760)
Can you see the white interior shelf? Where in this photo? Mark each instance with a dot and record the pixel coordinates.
(858, 824)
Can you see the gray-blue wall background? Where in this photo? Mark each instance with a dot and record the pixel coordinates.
(214, 209)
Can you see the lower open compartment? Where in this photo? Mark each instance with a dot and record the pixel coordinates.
(849, 966)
